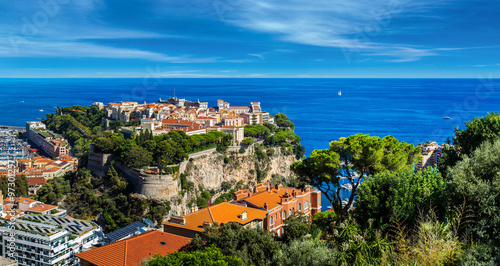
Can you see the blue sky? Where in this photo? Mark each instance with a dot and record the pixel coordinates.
(245, 38)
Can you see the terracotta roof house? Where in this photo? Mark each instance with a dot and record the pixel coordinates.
(131, 251)
(42, 209)
(280, 202)
(194, 223)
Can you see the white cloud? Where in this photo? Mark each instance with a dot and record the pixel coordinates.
(350, 25)
(70, 49)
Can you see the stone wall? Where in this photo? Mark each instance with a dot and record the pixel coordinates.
(151, 186)
(205, 168)
(98, 163)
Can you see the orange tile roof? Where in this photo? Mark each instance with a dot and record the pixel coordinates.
(24, 160)
(42, 208)
(224, 212)
(132, 251)
(35, 181)
(51, 169)
(273, 199)
(26, 200)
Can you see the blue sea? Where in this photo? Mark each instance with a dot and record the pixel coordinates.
(411, 110)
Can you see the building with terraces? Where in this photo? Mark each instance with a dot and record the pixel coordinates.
(279, 203)
(54, 145)
(44, 240)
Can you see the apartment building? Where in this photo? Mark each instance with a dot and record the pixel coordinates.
(431, 155)
(44, 240)
(52, 144)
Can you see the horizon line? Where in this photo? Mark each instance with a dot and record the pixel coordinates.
(246, 77)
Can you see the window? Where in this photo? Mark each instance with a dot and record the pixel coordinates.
(306, 205)
(271, 222)
(289, 213)
(284, 215)
(300, 207)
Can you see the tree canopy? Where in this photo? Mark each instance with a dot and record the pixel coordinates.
(465, 141)
(353, 158)
(476, 181)
(210, 256)
(254, 247)
(399, 195)
(162, 150)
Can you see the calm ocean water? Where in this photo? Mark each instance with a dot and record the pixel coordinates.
(411, 110)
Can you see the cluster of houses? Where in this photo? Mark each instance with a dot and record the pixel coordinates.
(431, 154)
(38, 170)
(35, 233)
(189, 116)
(265, 207)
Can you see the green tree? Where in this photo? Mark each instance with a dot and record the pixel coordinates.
(296, 226)
(5, 186)
(282, 121)
(21, 188)
(353, 158)
(305, 253)
(476, 181)
(324, 220)
(465, 141)
(247, 141)
(210, 256)
(253, 246)
(400, 195)
(116, 181)
(138, 157)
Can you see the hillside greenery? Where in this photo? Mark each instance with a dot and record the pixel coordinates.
(444, 216)
(112, 199)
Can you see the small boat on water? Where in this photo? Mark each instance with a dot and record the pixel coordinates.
(446, 117)
(340, 93)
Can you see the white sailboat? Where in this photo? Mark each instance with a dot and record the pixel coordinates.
(340, 93)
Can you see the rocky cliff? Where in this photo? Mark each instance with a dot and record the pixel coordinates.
(205, 170)
(241, 170)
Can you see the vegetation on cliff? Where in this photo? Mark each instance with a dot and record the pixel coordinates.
(86, 197)
(162, 150)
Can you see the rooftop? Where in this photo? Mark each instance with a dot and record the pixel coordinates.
(124, 231)
(72, 225)
(132, 251)
(42, 207)
(224, 212)
(272, 196)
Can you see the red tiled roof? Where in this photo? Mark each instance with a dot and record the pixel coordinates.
(26, 200)
(42, 208)
(35, 181)
(132, 251)
(224, 212)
